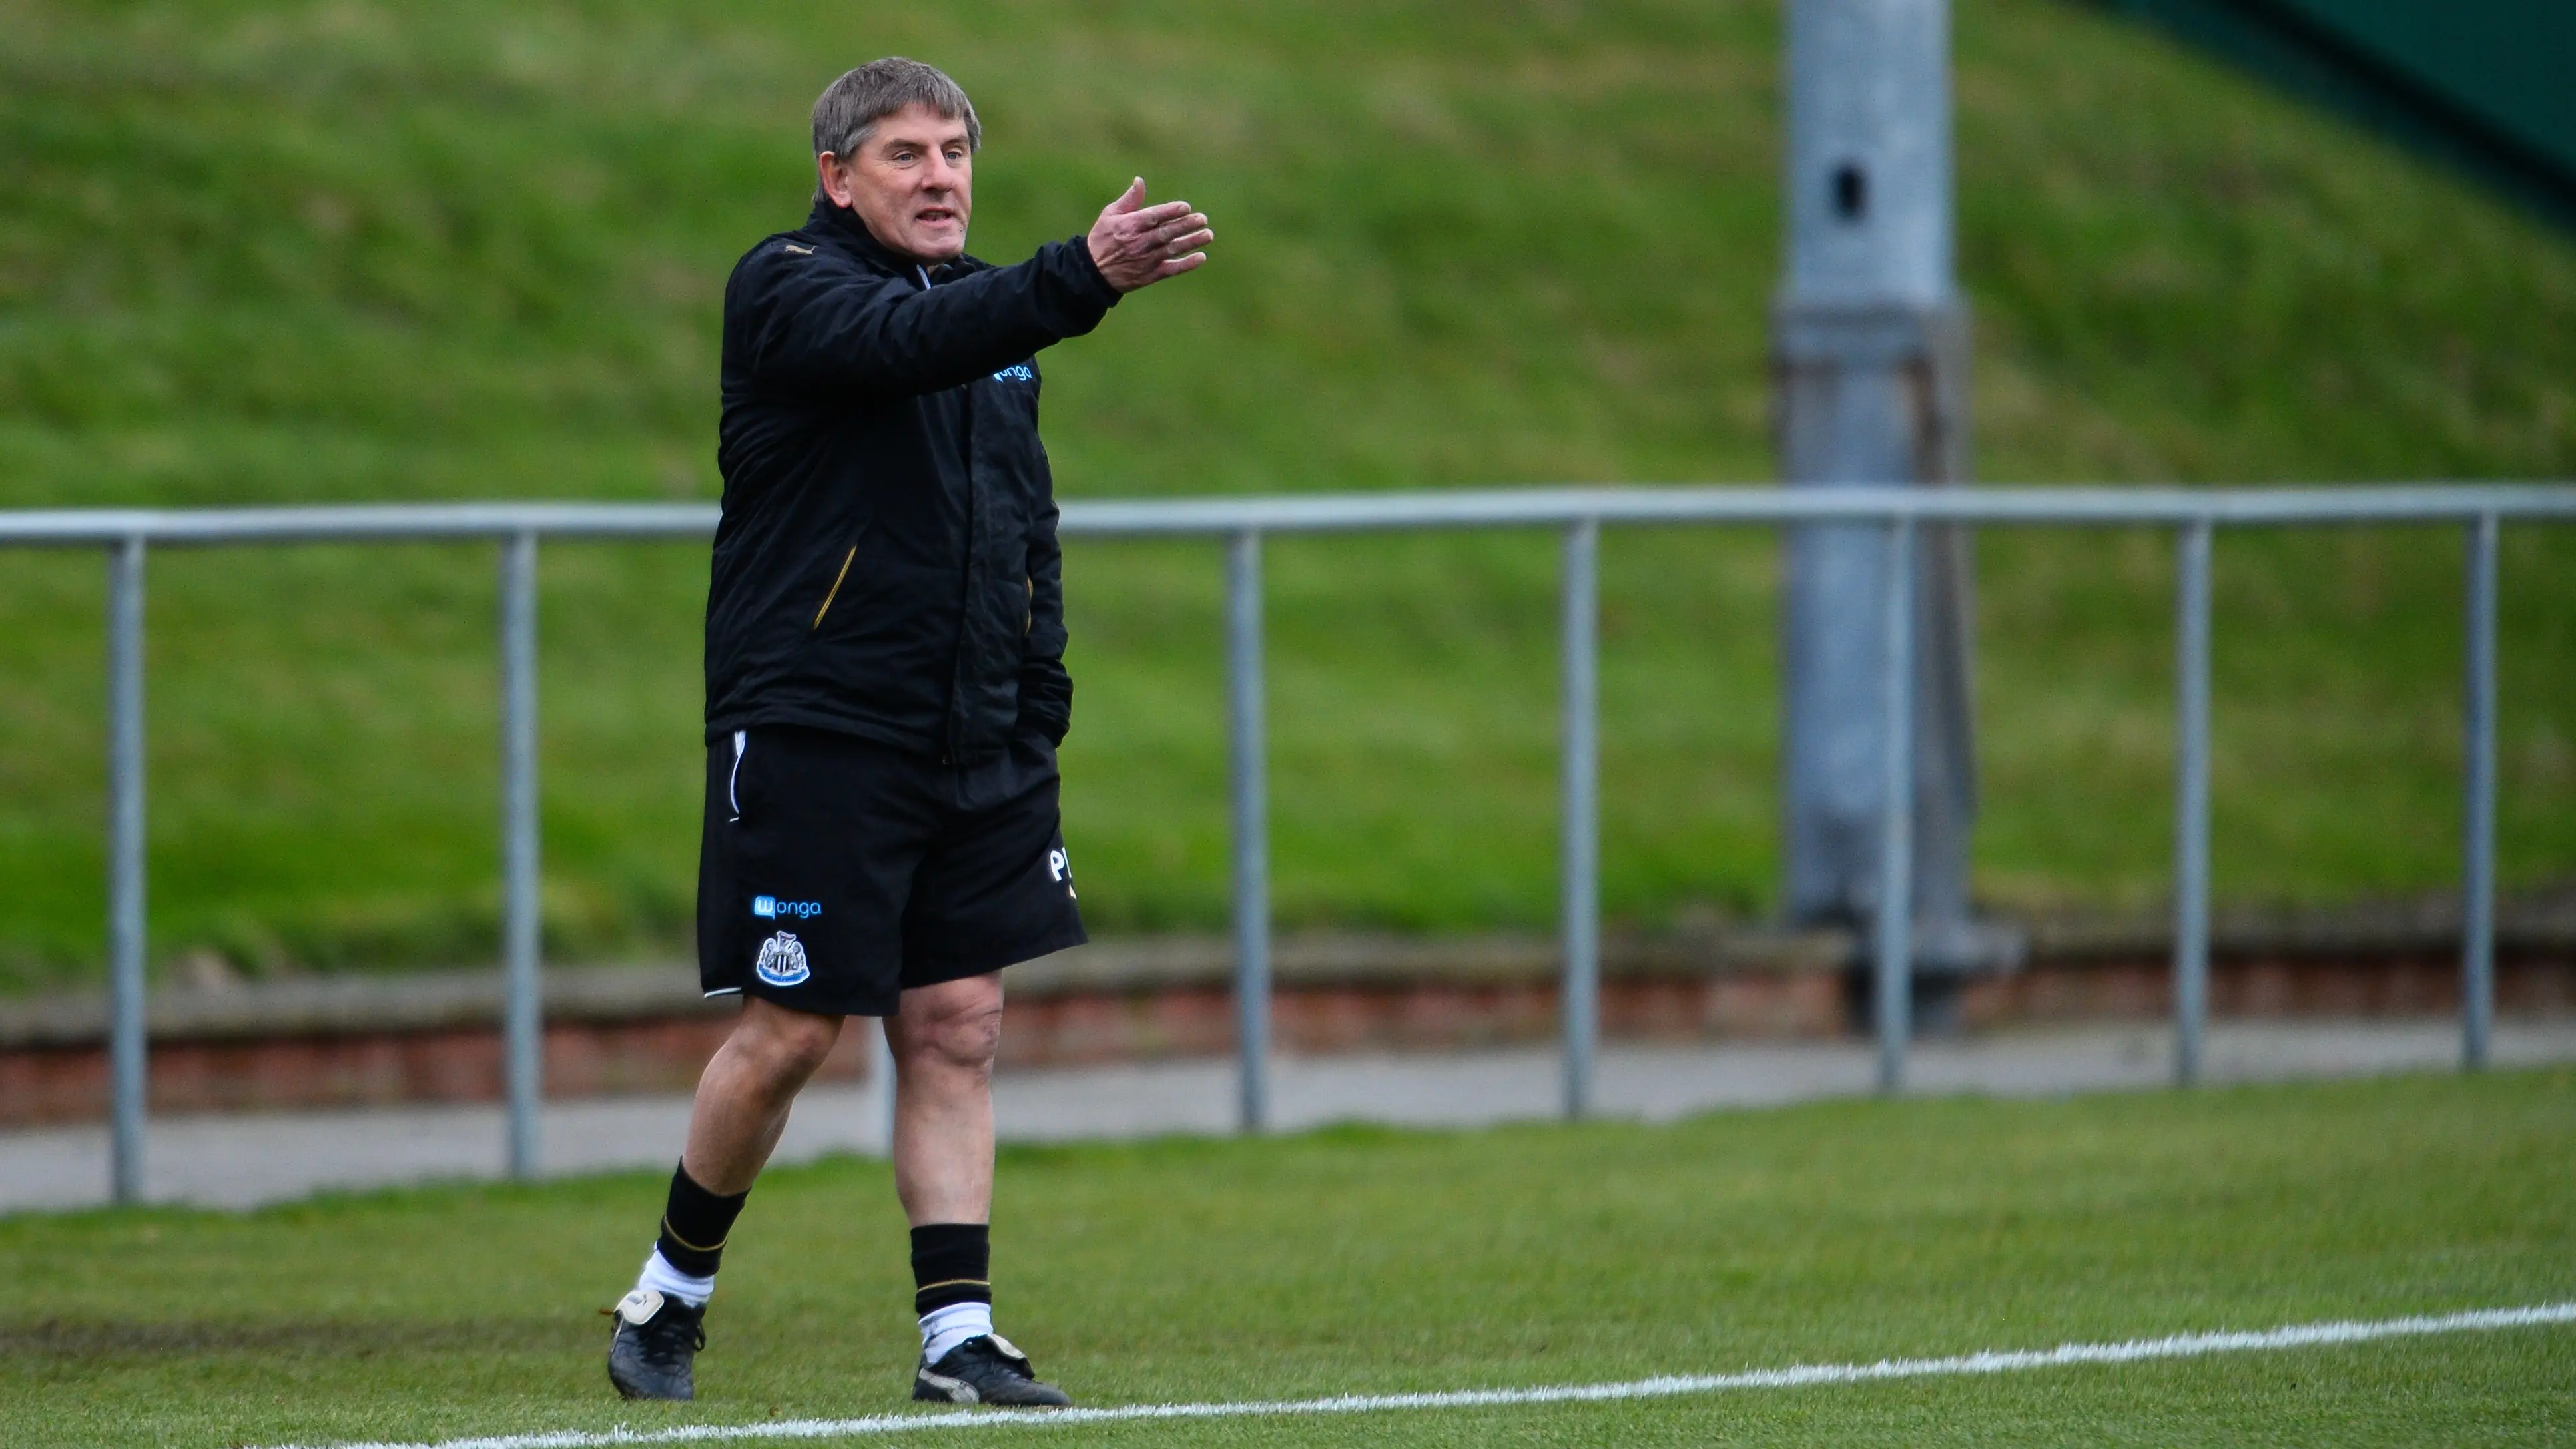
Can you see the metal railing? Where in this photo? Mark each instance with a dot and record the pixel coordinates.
(2195, 515)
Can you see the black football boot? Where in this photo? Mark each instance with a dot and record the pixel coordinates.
(985, 1369)
(656, 1342)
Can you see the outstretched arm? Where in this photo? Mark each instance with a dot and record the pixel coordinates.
(814, 320)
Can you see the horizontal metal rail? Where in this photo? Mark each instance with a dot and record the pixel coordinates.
(1346, 512)
(2193, 513)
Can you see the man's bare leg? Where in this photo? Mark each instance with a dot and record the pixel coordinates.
(749, 1084)
(943, 1041)
(943, 1044)
(743, 1097)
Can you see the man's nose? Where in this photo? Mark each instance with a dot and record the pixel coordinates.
(944, 175)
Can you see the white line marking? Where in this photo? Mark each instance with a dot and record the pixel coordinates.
(2180, 1345)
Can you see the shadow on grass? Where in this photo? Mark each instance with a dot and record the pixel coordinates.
(71, 1340)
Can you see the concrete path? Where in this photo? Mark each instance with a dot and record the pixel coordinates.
(244, 1160)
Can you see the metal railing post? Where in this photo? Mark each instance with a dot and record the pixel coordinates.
(1895, 924)
(1581, 823)
(2477, 844)
(881, 1077)
(522, 1020)
(127, 1047)
(1243, 678)
(2191, 799)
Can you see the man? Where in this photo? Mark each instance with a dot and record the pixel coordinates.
(885, 693)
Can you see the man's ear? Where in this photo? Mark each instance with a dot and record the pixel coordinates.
(835, 181)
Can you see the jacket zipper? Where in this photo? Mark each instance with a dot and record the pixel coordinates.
(837, 580)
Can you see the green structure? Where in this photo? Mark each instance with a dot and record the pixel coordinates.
(2485, 85)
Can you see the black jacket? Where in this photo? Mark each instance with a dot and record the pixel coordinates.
(886, 565)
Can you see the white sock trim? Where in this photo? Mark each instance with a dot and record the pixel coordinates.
(944, 1328)
(670, 1282)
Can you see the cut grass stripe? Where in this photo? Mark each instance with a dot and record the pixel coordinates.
(2181, 1345)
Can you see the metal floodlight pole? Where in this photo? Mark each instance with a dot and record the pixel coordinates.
(1870, 362)
(126, 1045)
(1581, 822)
(1895, 921)
(1251, 826)
(2191, 799)
(2478, 790)
(522, 1024)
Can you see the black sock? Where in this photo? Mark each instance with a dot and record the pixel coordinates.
(951, 1263)
(695, 1224)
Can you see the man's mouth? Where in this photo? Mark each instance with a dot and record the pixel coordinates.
(934, 215)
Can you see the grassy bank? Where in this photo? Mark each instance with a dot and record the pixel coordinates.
(1366, 1261)
(351, 251)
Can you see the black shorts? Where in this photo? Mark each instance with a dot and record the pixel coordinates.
(835, 873)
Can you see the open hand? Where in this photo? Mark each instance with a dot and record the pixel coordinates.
(1136, 245)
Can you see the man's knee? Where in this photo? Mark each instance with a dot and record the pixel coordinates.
(956, 1024)
(782, 1045)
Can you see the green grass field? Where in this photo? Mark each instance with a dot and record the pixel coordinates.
(253, 252)
(1371, 1261)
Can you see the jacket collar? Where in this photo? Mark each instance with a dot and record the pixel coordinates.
(843, 225)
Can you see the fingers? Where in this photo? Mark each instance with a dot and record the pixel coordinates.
(1128, 200)
(1190, 243)
(1161, 214)
(1174, 236)
(1178, 265)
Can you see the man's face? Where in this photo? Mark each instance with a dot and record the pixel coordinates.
(912, 182)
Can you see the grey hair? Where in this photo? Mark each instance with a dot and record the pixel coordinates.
(847, 112)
